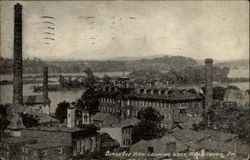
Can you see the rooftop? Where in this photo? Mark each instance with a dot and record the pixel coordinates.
(173, 94)
(21, 139)
(100, 116)
(35, 99)
(56, 129)
(44, 145)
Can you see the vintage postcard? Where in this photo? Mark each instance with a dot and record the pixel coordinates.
(124, 80)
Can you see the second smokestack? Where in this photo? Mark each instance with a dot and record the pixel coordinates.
(45, 82)
(208, 84)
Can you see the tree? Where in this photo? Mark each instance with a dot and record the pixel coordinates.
(88, 101)
(106, 79)
(223, 117)
(248, 91)
(218, 92)
(29, 120)
(243, 126)
(61, 111)
(90, 79)
(4, 122)
(149, 126)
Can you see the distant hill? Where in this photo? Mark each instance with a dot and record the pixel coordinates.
(240, 64)
(164, 63)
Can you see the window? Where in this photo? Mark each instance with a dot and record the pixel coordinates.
(26, 150)
(23, 149)
(7, 154)
(150, 149)
(183, 111)
(128, 112)
(74, 152)
(128, 142)
(35, 153)
(60, 150)
(45, 153)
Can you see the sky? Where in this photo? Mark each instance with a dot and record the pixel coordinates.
(84, 30)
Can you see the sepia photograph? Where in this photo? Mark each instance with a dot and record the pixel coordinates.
(124, 80)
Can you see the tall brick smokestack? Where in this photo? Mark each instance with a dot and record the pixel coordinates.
(45, 82)
(208, 84)
(17, 68)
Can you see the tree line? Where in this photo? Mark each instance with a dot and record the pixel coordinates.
(188, 75)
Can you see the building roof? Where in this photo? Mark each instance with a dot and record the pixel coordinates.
(107, 140)
(44, 118)
(47, 144)
(100, 116)
(188, 136)
(126, 122)
(16, 140)
(35, 99)
(173, 95)
(224, 147)
(55, 129)
(162, 142)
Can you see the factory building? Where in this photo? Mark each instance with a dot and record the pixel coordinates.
(174, 104)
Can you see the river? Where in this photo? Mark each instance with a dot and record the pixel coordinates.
(69, 96)
(6, 91)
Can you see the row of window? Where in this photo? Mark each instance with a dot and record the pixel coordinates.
(43, 153)
(27, 158)
(84, 145)
(127, 131)
(4, 145)
(129, 112)
(4, 154)
(145, 103)
(127, 142)
(109, 109)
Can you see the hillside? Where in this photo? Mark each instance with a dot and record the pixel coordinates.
(159, 63)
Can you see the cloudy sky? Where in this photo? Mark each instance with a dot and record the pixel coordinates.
(107, 29)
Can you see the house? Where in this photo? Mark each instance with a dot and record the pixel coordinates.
(39, 103)
(46, 150)
(121, 131)
(56, 143)
(107, 143)
(10, 147)
(240, 97)
(165, 146)
(104, 119)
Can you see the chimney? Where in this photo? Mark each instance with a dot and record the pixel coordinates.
(138, 90)
(71, 117)
(17, 67)
(45, 82)
(208, 84)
